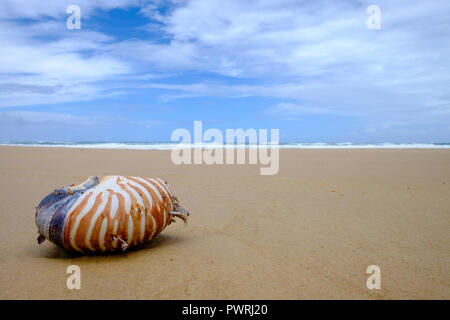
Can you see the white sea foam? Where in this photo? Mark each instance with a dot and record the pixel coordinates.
(170, 146)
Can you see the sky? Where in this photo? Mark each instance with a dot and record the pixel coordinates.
(136, 70)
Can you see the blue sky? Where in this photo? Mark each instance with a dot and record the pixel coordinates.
(137, 70)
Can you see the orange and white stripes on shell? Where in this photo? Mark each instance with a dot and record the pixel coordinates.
(110, 213)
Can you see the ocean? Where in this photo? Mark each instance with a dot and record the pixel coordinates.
(171, 145)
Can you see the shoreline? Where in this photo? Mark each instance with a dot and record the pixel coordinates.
(288, 146)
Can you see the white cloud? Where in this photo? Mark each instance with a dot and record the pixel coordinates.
(296, 38)
(318, 55)
(47, 118)
(27, 118)
(35, 71)
(291, 109)
(31, 9)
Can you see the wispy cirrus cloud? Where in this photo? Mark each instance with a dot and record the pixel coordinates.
(45, 118)
(26, 118)
(293, 110)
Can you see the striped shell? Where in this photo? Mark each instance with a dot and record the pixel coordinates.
(107, 214)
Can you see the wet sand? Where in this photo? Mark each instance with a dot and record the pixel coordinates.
(308, 232)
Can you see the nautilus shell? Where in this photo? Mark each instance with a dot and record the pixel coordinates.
(106, 214)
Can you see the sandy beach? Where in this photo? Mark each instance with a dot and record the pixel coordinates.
(308, 232)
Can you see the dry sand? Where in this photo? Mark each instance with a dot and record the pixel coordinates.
(308, 232)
